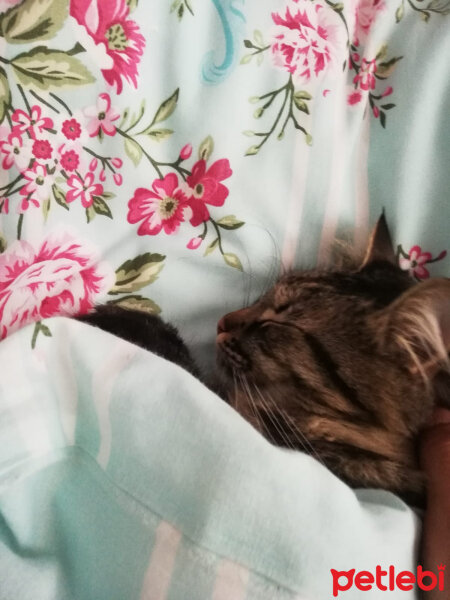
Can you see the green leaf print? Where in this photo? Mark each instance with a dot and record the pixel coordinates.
(135, 302)
(137, 273)
(33, 20)
(5, 94)
(47, 69)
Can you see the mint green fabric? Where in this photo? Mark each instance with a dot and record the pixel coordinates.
(175, 157)
(188, 93)
(122, 476)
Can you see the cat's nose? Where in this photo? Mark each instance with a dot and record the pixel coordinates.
(221, 325)
(235, 320)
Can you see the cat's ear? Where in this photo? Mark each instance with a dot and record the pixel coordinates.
(380, 245)
(419, 323)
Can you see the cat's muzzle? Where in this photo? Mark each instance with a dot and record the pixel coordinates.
(230, 354)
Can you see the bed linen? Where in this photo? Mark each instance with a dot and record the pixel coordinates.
(175, 157)
(122, 476)
(214, 143)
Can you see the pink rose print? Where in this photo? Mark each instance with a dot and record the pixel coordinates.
(366, 76)
(71, 129)
(301, 44)
(365, 14)
(101, 116)
(205, 188)
(42, 149)
(34, 123)
(17, 151)
(415, 260)
(70, 160)
(163, 208)
(39, 185)
(60, 277)
(85, 189)
(107, 24)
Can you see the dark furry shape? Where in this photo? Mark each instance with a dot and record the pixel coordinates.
(145, 330)
(344, 365)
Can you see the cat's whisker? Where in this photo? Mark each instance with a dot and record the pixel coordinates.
(301, 438)
(299, 435)
(252, 404)
(278, 426)
(235, 399)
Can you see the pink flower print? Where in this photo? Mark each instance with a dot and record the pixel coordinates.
(101, 116)
(5, 130)
(85, 189)
(70, 160)
(365, 14)
(39, 184)
(415, 261)
(302, 42)
(186, 152)
(71, 156)
(25, 204)
(34, 123)
(117, 162)
(71, 129)
(107, 24)
(387, 92)
(205, 187)
(17, 150)
(61, 276)
(4, 206)
(160, 208)
(42, 149)
(366, 75)
(194, 243)
(354, 98)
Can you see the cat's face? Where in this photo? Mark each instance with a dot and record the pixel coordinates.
(315, 364)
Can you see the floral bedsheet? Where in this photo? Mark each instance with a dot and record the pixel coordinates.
(125, 478)
(174, 156)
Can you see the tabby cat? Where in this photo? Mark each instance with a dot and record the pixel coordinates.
(345, 365)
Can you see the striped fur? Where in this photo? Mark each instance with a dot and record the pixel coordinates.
(327, 362)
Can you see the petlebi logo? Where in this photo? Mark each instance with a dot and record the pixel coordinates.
(388, 579)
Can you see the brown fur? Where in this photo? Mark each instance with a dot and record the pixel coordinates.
(342, 364)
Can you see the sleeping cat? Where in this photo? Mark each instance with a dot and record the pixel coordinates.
(344, 365)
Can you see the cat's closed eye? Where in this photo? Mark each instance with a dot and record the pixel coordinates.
(281, 307)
